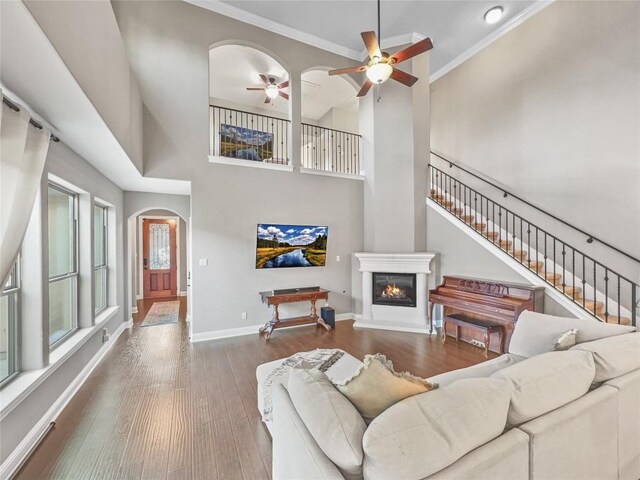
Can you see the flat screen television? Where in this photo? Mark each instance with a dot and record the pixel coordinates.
(281, 246)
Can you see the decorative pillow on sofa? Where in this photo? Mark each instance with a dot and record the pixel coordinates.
(376, 386)
(423, 434)
(332, 420)
(613, 356)
(481, 370)
(566, 340)
(536, 333)
(546, 382)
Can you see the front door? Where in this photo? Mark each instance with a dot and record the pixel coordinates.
(159, 257)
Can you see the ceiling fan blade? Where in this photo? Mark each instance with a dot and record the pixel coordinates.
(284, 95)
(371, 42)
(403, 77)
(267, 100)
(342, 71)
(412, 50)
(264, 79)
(255, 88)
(365, 88)
(283, 84)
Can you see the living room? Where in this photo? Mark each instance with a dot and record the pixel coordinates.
(504, 149)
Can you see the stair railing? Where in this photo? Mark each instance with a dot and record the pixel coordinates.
(505, 193)
(553, 258)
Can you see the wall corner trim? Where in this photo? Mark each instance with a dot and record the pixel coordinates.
(21, 453)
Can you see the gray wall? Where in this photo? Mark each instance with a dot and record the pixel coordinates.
(64, 163)
(551, 111)
(171, 40)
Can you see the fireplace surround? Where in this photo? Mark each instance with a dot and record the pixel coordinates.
(399, 267)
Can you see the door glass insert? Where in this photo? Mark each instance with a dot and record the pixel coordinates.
(159, 246)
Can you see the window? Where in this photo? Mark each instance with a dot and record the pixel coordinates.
(100, 257)
(63, 264)
(9, 316)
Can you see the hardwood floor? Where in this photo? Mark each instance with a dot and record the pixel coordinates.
(159, 407)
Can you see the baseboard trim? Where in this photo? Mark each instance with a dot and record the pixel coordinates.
(21, 453)
(359, 323)
(139, 297)
(251, 330)
(134, 309)
(182, 294)
(129, 323)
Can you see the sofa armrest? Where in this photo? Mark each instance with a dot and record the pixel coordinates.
(296, 455)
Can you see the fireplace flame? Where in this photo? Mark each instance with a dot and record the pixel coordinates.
(394, 292)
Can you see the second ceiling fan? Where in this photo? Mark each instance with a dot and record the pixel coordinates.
(271, 88)
(382, 66)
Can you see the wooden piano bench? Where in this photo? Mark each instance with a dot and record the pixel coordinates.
(485, 326)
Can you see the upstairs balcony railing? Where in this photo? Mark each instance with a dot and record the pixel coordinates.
(248, 136)
(330, 150)
(254, 137)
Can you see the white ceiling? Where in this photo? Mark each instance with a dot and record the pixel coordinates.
(233, 68)
(455, 26)
(34, 73)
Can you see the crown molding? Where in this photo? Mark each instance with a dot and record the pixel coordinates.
(503, 29)
(275, 27)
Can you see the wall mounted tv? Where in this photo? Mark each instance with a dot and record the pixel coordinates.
(280, 246)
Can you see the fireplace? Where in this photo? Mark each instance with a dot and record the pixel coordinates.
(396, 289)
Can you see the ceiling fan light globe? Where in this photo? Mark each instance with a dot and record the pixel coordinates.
(379, 72)
(271, 91)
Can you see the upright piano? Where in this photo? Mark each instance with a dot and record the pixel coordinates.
(483, 302)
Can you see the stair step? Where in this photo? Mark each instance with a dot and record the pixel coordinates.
(468, 218)
(555, 278)
(615, 319)
(518, 254)
(446, 203)
(457, 211)
(535, 266)
(505, 244)
(594, 306)
(492, 235)
(573, 292)
(479, 226)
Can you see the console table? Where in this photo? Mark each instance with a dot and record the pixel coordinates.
(277, 297)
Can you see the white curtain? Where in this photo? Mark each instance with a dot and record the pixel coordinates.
(23, 150)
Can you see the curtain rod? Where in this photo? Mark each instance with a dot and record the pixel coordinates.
(16, 108)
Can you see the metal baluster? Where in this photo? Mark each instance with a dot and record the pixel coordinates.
(606, 295)
(595, 289)
(634, 301)
(513, 236)
(619, 299)
(564, 280)
(584, 281)
(545, 255)
(573, 273)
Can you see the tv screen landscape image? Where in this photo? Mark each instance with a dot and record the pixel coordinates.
(280, 246)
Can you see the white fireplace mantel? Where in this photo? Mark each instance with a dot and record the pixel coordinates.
(386, 317)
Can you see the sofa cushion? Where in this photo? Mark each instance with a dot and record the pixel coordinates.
(376, 386)
(480, 370)
(546, 382)
(425, 433)
(536, 333)
(613, 356)
(332, 420)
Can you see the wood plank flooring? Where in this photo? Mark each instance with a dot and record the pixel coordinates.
(159, 407)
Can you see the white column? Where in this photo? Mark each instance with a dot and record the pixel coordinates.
(295, 101)
(367, 288)
(421, 301)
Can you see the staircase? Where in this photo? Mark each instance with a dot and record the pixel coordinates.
(596, 289)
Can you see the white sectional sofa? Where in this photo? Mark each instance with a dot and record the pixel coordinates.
(529, 414)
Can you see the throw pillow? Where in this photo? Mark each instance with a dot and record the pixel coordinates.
(332, 420)
(376, 386)
(566, 340)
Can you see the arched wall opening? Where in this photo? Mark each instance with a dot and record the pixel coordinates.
(136, 255)
(331, 122)
(250, 104)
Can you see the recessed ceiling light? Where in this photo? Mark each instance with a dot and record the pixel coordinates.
(493, 15)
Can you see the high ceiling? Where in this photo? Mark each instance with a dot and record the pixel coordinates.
(235, 67)
(454, 26)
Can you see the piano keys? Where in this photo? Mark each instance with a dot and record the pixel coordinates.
(486, 302)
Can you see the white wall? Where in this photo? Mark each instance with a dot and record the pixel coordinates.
(552, 112)
(67, 165)
(171, 40)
